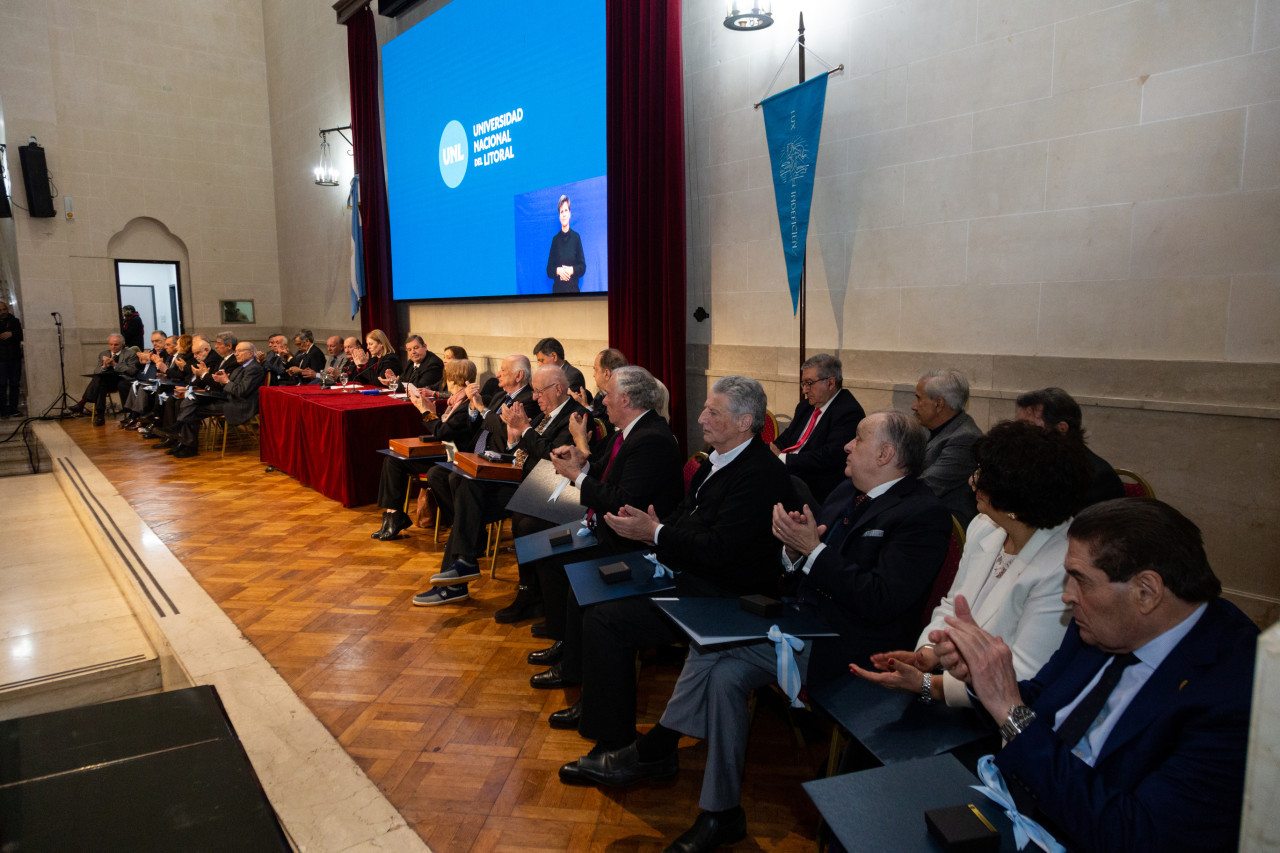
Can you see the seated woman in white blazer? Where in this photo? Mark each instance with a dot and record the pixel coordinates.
(1028, 484)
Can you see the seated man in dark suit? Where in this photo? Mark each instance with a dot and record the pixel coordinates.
(307, 359)
(277, 361)
(717, 541)
(334, 361)
(481, 430)
(529, 598)
(477, 503)
(1053, 408)
(422, 367)
(453, 425)
(639, 465)
(114, 366)
(606, 361)
(1133, 736)
(135, 397)
(865, 564)
(550, 351)
(812, 447)
(941, 396)
(239, 402)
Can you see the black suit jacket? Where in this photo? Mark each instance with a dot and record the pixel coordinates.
(873, 583)
(241, 403)
(179, 375)
(312, 358)
(492, 422)
(820, 463)
(556, 434)
(427, 374)
(646, 471)
(456, 428)
(720, 538)
(1170, 776)
(573, 375)
(373, 371)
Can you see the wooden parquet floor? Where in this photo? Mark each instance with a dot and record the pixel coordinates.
(433, 703)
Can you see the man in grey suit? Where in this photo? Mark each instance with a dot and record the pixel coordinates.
(941, 396)
(864, 564)
(115, 363)
(239, 403)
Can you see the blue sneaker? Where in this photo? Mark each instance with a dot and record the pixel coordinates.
(441, 595)
(458, 572)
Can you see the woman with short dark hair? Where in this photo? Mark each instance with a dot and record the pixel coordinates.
(1028, 483)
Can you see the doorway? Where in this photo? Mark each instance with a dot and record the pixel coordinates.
(151, 287)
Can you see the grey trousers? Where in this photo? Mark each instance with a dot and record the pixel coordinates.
(710, 702)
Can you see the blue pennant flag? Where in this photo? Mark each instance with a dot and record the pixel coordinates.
(357, 248)
(792, 124)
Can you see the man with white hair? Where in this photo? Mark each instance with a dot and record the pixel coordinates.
(114, 364)
(239, 401)
(941, 396)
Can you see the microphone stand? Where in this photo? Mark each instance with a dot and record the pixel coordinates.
(63, 397)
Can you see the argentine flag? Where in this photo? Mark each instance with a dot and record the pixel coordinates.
(357, 248)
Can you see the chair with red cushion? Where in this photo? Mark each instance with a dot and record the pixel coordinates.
(1135, 485)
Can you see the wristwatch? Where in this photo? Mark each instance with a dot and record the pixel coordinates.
(1020, 716)
(926, 688)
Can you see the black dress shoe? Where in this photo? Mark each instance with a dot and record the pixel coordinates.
(567, 718)
(184, 451)
(618, 768)
(383, 531)
(710, 831)
(392, 524)
(539, 630)
(551, 679)
(548, 656)
(528, 605)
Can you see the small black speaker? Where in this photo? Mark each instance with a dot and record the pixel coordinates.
(35, 177)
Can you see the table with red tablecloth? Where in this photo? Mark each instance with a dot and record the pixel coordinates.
(329, 439)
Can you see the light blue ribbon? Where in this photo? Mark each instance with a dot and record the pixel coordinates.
(788, 672)
(1024, 828)
(659, 571)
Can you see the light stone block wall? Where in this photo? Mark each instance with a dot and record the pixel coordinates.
(147, 110)
(492, 330)
(1087, 179)
(306, 64)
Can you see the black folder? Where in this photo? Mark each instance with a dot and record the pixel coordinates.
(854, 804)
(537, 546)
(590, 588)
(720, 621)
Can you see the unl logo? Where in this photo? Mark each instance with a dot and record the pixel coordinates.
(453, 154)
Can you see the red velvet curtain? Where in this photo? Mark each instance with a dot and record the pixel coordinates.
(646, 191)
(378, 311)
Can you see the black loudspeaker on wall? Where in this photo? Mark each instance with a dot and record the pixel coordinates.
(35, 177)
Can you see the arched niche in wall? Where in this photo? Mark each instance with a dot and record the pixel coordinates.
(146, 239)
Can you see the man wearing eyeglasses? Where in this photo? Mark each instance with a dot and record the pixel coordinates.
(477, 503)
(827, 419)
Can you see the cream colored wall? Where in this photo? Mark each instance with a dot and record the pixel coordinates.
(1078, 194)
(1093, 179)
(154, 110)
(306, 64)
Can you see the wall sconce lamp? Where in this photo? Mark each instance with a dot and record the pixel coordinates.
(327, 173)
(756, 19)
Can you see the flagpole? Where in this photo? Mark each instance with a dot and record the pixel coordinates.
(804, 259)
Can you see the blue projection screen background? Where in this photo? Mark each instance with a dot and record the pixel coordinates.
(492, 115)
